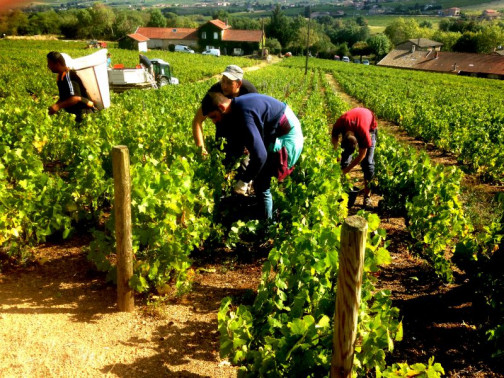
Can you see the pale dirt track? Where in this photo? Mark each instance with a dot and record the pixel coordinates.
(59, 318)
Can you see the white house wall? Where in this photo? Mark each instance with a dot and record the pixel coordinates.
(142, 46)
(164, 43)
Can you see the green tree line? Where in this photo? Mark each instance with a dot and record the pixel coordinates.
(328, 36)
(459, 35)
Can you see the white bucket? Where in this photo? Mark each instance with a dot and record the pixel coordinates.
(92, 70)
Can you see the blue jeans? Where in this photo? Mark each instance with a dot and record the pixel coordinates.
(292, 142)
(368, 165)
(262, 185)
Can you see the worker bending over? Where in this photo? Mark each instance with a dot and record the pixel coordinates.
(73, 97)
(231, 85)
(357, 127)
(268, 129)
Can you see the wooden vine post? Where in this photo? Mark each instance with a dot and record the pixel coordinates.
(122, 208)
(351, 264)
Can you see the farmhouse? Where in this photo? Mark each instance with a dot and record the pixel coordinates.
(479, 65)
(490, 14)
(134, 42)
(161, 38)
(451, 12)
(213, 34)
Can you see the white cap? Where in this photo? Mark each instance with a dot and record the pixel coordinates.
(233, 72)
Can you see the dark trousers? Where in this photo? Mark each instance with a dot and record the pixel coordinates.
(368, 165)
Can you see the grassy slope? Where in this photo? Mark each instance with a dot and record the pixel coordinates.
(497, 5)
(377, 23)
(479, 4)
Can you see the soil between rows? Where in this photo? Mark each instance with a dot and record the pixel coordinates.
(58, 317)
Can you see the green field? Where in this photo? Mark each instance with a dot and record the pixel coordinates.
(496, 5)
(445, 3)
(377, 24)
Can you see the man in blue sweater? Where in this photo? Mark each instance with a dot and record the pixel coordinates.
(268, 129)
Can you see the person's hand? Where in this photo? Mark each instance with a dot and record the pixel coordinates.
(53, 109)
(241, 188)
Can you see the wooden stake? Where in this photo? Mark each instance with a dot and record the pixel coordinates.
(351, 263)
(122, 208)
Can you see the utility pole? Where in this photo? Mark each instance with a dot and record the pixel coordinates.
(263, 40)
(308, 40)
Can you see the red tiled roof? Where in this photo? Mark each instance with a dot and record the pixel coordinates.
(138, 37)
(220, 24)
(242, 35)
(445, 61)
(168, 33)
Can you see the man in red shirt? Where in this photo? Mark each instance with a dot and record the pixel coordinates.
(357, 127)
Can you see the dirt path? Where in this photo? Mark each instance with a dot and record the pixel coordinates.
(439, 320)
(58, 317)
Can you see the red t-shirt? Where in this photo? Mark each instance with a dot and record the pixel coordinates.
(359, 120)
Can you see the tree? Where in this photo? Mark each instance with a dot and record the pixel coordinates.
(361, 48)
(448, 39)
(245, 23)
(426, 24)
(157, 20)
(457, 25)
(361, 21)
(273, 45)
(300, 40)
(325, 20)
(85, 25)
(126, 22)
(47, 22)
(489, 38)
(323, 47)
(279, 27)
(69, 25)
(400, 30)
(220, 15)
(342, 49)
(171, 19)
(186, 22)
(307, 12)
(349, 32)
(468, 42)
(379, 45)
(16, 23)
(103, 19)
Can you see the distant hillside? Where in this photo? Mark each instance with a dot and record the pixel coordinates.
(470, 4)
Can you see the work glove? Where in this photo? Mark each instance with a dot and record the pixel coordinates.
(241, 188)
